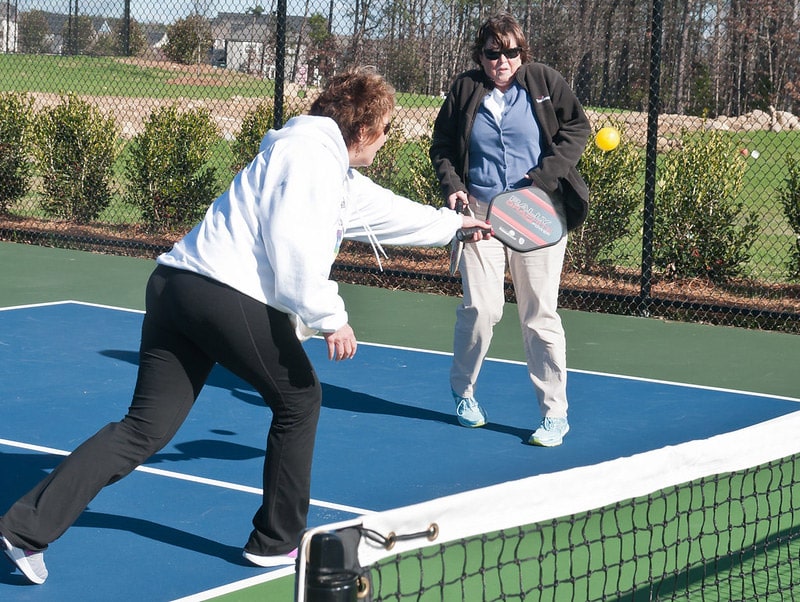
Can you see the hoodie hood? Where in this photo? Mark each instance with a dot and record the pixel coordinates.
(322, 130)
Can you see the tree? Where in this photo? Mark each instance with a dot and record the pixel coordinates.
(35, 36)
(137, 40)
(113, 42)
(322, 50)
(79, 35)
(188, 40)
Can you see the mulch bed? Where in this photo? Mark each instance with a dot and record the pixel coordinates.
(738, 302)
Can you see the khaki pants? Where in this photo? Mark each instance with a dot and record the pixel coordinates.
(536, 276)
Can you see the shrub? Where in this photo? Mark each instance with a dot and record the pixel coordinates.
(614, 180)
(168, 168)
(404, 167)
(75, 149)
(701, 228)
(790, 199)
(16, 119)
(255, 124)
(419, 181)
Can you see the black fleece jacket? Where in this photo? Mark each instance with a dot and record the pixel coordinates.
(564, 126)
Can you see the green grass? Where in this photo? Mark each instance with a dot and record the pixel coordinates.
(109, 76)
(407, 100)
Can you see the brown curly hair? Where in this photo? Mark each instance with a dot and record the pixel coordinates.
(358, 100)
(506, 31)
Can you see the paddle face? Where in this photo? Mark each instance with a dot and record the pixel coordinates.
(526, 219)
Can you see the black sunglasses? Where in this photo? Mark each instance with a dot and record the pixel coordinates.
(386, 128)
(509, 53)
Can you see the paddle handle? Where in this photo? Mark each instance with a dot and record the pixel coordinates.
(463, 234)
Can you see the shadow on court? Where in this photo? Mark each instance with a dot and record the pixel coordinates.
(333, 397)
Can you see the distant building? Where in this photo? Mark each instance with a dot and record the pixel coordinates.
(246, 43)
(9, 36)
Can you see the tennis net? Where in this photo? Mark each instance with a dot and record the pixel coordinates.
(715, 519)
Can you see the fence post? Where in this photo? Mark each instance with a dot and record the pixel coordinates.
(126, 28)
(280, 61)
(654, 101)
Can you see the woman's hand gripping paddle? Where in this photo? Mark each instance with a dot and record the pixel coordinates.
(524, 220)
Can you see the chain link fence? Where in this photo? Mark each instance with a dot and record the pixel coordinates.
(694, 216)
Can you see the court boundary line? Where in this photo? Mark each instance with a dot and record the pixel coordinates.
(185, 477)
(237, 586)
(605, 374)
(490, 359)
(70, 302)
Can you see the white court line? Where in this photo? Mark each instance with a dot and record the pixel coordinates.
(499, 360)
(70, 302)
(238, 585)
(31, 305)
(605, 374)
(186, 477)
(687, 385)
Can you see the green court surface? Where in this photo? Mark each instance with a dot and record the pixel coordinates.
(717, 356)
(711, 356)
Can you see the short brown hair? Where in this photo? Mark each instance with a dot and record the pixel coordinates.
(505, 29)
(357, 100)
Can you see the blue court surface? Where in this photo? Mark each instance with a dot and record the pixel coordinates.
(387, 438)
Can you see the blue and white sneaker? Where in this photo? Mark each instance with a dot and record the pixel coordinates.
(31, 564)
(550, 432)
(468, 412)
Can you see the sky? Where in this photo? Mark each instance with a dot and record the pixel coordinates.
(168, 12)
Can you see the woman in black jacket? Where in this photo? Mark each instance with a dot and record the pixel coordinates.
(508, 124)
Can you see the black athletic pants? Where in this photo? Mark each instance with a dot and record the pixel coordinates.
(192, 323)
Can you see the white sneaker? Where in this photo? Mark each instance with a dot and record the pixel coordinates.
(468, 411)
(271, 561)
(550, 432)
(31, 564)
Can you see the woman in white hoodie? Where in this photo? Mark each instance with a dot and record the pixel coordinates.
(243, 289)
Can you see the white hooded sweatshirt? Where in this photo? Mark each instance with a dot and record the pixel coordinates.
(274, 234)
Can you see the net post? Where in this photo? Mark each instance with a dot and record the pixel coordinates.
(326, 578)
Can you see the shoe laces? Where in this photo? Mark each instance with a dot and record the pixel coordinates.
(553, 424)
(466, 404)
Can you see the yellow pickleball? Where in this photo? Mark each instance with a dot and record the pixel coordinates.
(607, 138)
